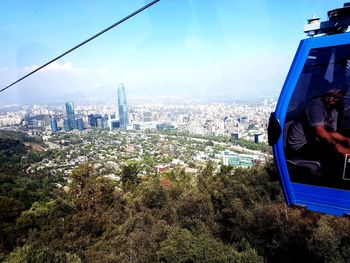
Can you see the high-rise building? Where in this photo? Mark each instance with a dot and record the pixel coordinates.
(115, 124)
(99, 123)
(92, 120)
(122, 107)
(54, 126)
(98, 118)
(80, 124)
(70, 114)
(105, 122)
(66, 125)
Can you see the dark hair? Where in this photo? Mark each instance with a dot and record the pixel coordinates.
(340, 87)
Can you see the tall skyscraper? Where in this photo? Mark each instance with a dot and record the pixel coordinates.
(92, 120)
(80, 124)
(66, 125)
(54, 126)
(122, 107)
(105, 122)
(99, 123)
(70, 114)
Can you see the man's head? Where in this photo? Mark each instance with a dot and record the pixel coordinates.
(333, 96)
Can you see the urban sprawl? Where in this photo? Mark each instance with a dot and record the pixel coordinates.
(158, 137)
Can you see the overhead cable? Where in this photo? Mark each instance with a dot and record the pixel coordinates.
(83, 43)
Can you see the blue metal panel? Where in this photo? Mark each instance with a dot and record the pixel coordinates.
(281, 111)
(322, 199)
(315, 198)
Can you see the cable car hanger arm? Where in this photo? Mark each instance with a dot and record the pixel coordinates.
(338, 22)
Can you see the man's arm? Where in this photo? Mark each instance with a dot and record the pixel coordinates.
(333, 138)
(340, 138)
(324, 135)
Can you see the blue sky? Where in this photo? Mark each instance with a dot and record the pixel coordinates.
(181, 49)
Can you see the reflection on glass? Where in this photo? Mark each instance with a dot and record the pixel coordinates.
(317, 126)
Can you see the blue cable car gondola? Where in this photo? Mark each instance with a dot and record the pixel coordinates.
(310, 128)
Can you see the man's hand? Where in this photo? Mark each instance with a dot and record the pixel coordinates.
(345, 141)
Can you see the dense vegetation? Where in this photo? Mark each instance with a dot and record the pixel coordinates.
(261, 146)
(227, 216)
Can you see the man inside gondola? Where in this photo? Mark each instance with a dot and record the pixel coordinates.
(314, 136)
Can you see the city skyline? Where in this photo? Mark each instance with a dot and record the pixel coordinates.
(96, 119)
(230, 120)
(196, 51)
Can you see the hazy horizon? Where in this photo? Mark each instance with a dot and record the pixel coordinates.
(183, 50)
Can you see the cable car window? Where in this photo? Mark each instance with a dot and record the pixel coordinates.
(317, 125)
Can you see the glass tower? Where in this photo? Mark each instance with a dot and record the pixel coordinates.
(70, 114)
(92, 120)
(54, 126)
(80, 124)
(122, 107)
(66, 125)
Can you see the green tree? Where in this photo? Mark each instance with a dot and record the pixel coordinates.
(129, 176)
(88, 189)
(32, 254)
(209, 169)
(10, 210)
(181, 245)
